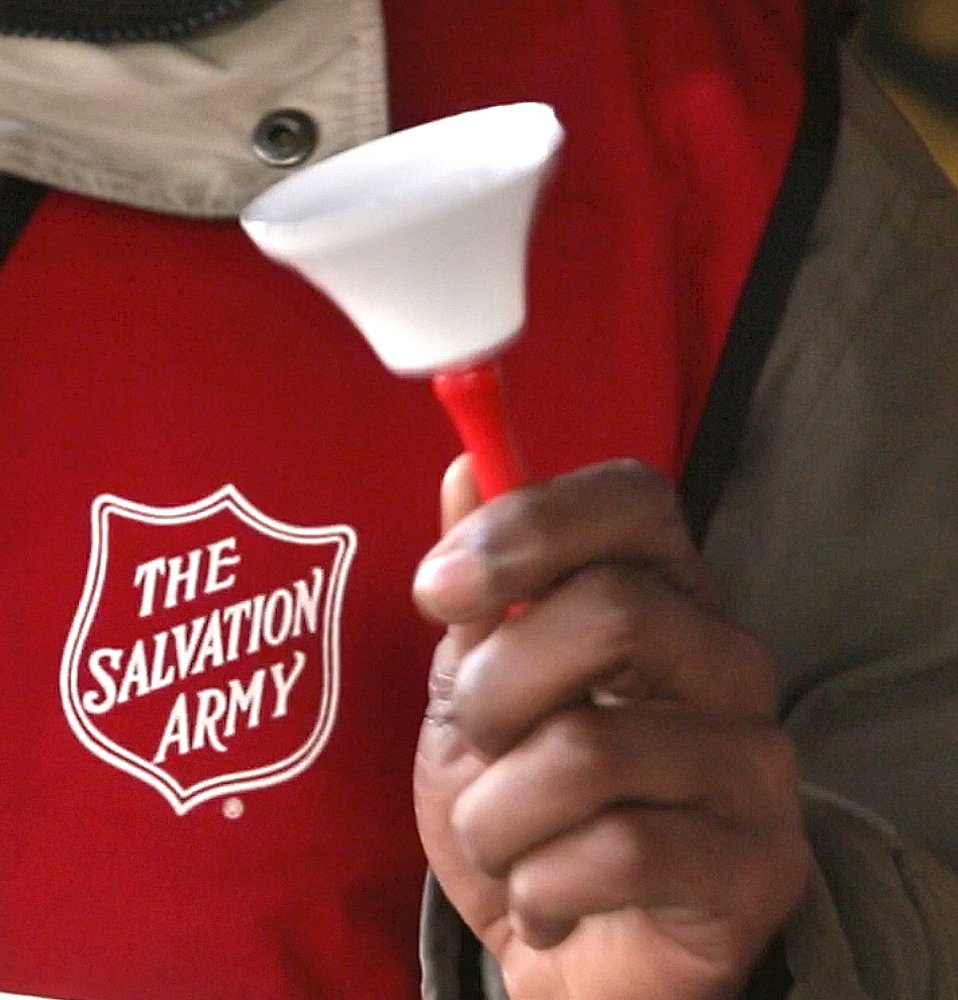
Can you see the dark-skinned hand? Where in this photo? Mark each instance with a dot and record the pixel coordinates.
(602, 789)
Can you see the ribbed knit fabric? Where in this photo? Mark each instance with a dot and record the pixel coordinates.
(116, 20)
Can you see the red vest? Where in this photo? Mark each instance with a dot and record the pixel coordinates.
(214, 498)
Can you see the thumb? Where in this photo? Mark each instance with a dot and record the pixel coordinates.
(445, 763)
(458, 494)
(458, 497)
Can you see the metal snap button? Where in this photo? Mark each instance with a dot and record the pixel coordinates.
(285, 138)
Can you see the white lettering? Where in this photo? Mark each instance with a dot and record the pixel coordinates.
(211, 648)
(276, 627)
(146, 575)
(217, 713)
(285, 684)
(101, 663)
(136, 673)
(210, 709)
(248, 700)
(186, 646)
(177, 731)
(186, 576)
(255, 642)
(161, 674)
(307, 604)
(234, 616)
(207, 643)
(183, 572)
(218, 560)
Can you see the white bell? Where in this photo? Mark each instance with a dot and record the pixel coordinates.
(420, 237)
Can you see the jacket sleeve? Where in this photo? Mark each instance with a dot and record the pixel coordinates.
(880, 921)
(881, 917)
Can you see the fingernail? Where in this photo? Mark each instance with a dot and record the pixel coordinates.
(449, 585)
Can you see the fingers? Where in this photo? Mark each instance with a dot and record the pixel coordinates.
(518, 546)
(678, 867)
(585, 761)
(614, 627)
(690, 822)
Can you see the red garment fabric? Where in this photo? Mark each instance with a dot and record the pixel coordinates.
(680, 118)
(211, 698)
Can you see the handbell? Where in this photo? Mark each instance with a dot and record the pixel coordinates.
(421, 239)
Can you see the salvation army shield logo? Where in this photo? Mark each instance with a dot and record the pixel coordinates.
(203, 658)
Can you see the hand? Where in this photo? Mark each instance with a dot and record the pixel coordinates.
(601, 787)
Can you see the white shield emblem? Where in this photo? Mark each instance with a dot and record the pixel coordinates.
(203, 658)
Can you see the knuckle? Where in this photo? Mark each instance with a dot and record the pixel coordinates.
(526, 896)
(758, 778)
(652, 498)
(619, 839)
(530, 514)
(738, 667)
(462, 818)
(771, 884)
(574, 738)
(777, 760)
(637, 478)
(469, 684)
(540, 923)
(582, 754)
(516, 535)
(542, 902)
(468, 822)
(481, 702)
(753, 656)
(613, 594)
(547, 509)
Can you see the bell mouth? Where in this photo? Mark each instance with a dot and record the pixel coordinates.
(404, 177)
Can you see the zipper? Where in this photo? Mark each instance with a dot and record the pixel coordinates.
(136, 26)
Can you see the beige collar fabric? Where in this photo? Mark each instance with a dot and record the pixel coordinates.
(169, 126)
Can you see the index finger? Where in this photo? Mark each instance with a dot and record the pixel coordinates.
(520, 544)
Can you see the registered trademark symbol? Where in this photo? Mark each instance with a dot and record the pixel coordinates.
(233, 807)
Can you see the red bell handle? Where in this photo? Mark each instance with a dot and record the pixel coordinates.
(474, 399)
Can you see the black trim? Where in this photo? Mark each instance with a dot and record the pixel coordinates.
(18, 199)
(470, 967)
(771, 979)
(767, 287)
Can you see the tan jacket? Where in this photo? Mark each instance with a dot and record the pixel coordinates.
(170, 126)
